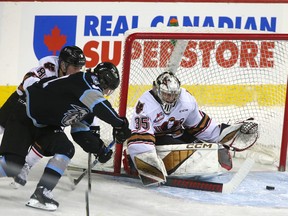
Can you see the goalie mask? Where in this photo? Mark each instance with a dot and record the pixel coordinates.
(167, 88)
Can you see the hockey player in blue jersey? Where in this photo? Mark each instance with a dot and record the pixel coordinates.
(70, 101)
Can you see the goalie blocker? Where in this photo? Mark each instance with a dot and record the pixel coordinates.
(193, 159)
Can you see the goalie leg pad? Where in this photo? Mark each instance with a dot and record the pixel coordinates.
(128, 164)
(175, 159)
(189, 160)
(150, 168)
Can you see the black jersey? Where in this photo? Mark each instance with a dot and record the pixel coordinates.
(68, 100)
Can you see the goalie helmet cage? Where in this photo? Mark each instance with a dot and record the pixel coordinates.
(233, 76)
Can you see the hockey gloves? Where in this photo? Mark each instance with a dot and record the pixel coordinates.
(123, 132)
(104, 154)
(33, 78)
(95, 130)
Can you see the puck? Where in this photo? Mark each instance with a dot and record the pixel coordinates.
(270, 187)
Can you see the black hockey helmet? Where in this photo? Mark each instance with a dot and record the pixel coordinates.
(108, 75)
(72, 55)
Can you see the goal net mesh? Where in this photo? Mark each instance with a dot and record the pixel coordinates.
(233, 76)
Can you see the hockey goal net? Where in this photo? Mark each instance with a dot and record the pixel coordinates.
(233, 76)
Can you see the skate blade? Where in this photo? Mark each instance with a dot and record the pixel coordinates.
(36, 204)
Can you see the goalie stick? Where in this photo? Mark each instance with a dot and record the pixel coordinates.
(189, 183)
(178, 51)
(176, 56)
(227, 187)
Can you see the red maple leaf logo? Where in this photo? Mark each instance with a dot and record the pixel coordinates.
(55, 41)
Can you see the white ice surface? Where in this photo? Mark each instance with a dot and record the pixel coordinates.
(118, 196)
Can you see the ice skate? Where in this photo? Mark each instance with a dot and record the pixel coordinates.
(21, 178)
(42, 199)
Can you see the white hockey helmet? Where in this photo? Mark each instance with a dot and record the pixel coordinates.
(167, 88)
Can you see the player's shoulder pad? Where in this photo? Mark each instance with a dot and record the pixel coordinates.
(52, 59)
(50, 63)
(92, 81)
(38, 71)
(146, 103)
(186, 96)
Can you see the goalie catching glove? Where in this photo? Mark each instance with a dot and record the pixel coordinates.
(249, 127)
(120, 134)
(239, 136)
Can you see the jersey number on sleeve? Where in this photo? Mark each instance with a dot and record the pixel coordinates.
(142, 122)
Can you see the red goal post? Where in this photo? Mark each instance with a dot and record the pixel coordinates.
(233, 76)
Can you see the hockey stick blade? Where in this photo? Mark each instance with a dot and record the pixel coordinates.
(194, 184)
(228, 187)
(244, 170)
(85, 172)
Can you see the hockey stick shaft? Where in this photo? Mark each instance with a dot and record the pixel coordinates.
(76, 181)
(178, 51)
(87, 203)
(239, 176)
(176, 56)
(89, 185)
(89, 172)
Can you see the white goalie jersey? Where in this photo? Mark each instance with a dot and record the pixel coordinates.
(149, 122)
(171, 136)
(149, 119)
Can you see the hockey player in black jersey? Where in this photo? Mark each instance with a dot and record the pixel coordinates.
(13, 114)
(70, 60)
(71, 101)
(19, 129)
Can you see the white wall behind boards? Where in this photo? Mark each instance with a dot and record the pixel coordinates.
(98, 27)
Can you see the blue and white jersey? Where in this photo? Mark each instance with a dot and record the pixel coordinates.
(68, 100)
